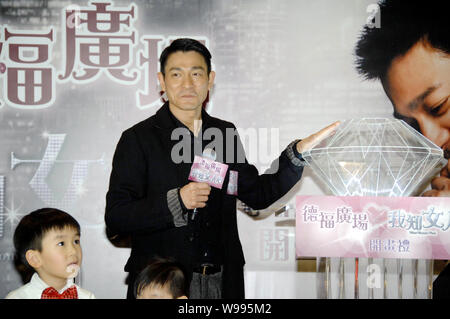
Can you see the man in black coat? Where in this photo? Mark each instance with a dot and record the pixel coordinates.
(151, 199)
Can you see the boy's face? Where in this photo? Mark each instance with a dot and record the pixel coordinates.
(60, 256)
(157, 292)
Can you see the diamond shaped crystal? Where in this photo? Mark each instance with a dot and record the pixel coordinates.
(374, 157)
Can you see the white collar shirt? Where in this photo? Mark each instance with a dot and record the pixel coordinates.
(34, 288)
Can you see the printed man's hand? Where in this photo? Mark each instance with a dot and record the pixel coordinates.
(440, 185)
(195, 195)
(314, 139)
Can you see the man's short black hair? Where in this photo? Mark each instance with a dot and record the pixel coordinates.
(402, 25)
(184, 45)
(162, 272)
(32, 228)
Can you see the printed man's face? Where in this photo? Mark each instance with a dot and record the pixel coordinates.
(418, 84)
(186, 81)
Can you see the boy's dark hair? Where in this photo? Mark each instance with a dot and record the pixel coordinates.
(184, 45)
(32, 228)
(402, 25)
(162, 272)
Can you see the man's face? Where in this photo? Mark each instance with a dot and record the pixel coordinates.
(186, 81)
(418, 84)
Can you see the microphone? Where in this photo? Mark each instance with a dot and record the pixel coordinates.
(210, 154)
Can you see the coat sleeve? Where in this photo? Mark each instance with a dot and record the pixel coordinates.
(129, 205)
(260, 191)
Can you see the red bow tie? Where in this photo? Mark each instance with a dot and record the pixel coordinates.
(51, 293)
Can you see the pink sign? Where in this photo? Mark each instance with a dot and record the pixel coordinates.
(206, 170)
(378, 227)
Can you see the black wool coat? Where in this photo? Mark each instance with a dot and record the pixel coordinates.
(143, 172)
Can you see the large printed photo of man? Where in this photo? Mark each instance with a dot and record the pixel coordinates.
(409, 52)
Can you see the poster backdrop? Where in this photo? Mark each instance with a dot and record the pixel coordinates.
(75, 74)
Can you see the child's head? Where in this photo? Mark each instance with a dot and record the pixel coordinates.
(48, 241)
(162, 279)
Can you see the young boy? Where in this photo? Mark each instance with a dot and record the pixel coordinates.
(48, 241)
(161, 279)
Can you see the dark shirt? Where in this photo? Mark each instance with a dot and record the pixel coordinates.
(204, 229)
